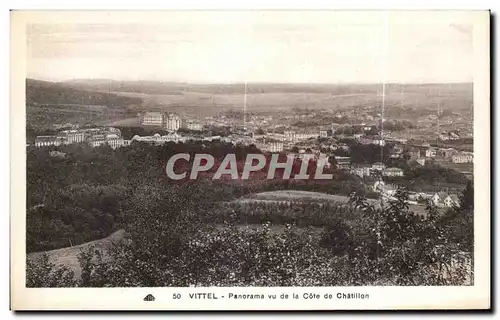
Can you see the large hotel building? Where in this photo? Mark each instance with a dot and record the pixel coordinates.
(170, 122)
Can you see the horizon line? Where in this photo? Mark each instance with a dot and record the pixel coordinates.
(248, 82)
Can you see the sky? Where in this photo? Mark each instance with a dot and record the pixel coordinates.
(236, 47)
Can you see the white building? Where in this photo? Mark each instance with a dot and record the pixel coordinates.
(72, 136)
(463, 157)
(445, 200)
(153, 119)
(293, 136)
(270, 146)
(172, 122)
(361, 171)
(392, 172)
(379, 166)
(158, 139)
(96, 142)
(194, 126)
(115, 142)
(421, 161)
(430, 152)
(45, 141)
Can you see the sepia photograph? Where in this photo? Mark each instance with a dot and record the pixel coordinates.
(236, 150)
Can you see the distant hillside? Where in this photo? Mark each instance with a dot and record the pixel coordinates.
(44, 92)
(172, 88)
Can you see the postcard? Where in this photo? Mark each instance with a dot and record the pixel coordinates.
(250, 160)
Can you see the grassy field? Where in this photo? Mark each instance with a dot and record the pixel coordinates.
(68, 256)
(285, 196)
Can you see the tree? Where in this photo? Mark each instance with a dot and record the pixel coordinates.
(467, 197)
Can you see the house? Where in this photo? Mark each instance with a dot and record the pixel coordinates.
(379, 141)
(396, 152)
(447, 152)
(430, 152)
(323, 133)
(379, 166)
(452, 135)
(392, 172)
(413, 153)
(343, 146)
(383, 188)
(421, 161)
(451, 201)
(445, 200)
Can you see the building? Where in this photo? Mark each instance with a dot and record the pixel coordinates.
(93, 136)
(323, 133)
(430, 152)
(361, 171)
(194, 126)
(421, 161)
(72, 136)
(452, 135)
(269, 145)
(343, 163)
(97, 141)
(379, 141)
(158, 139)
(376, 140)
(115, 142)
(385, 189)
(379, 166)
(293, 136)
(447, 152)
(153, 119)
(323, 161)
(397, 152)
(172, 122)
(172, 137)
(445, 200)
(45, 141)
(413, 153)
(463, 157)
(392, 172)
